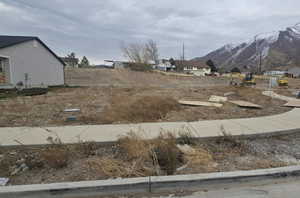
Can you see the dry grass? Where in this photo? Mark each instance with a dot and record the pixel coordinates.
(135, 156)
(229, 140)
(159, 154)
(112, 167)
(142, 109)
(87, 149)
(100, 105)
(167, 153)
(134, 146)
(56, 157)
(198, 157)
(186, 137)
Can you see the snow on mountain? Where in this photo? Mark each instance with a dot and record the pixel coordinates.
(275, 48)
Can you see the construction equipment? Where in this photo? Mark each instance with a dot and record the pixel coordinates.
(283, 82)
(248, 80)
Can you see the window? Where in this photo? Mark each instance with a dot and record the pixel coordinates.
(1, 66)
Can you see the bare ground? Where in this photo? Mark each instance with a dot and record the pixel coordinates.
(121, 96)
(225, 153)
(104, 105)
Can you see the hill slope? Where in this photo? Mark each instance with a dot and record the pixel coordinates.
(276, 50)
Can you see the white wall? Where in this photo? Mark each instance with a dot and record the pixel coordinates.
(33, 58)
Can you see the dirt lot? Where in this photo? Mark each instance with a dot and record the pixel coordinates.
(127, 78)
(104, 105)
(122, 96)
(132, 157)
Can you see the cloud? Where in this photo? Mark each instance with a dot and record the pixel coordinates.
(97, 28)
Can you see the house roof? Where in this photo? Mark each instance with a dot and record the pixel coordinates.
(7, 41)
(69, 59)
(191, 63)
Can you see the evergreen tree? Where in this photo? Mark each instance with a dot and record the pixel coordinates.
(212, 66)
(236, 70)
(172, 61)
(84, 62)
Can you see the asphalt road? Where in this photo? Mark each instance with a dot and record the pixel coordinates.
(290, 189)
(278, 188)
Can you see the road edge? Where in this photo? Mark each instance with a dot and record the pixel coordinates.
(143, 184)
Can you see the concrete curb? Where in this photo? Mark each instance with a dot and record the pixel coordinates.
(143, 184)
(247, 136)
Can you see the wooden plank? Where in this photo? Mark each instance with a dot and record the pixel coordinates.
(199, 103)
(214, 98)
(293, 103)
(246, 104)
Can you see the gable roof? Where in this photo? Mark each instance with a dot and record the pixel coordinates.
(7, 41)
(191, 63)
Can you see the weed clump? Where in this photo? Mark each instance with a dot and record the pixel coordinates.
(56, 157)
(143, 109)
(159, 154)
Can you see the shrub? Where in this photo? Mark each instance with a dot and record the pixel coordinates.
(134, 147)
(56, 157)
(186, 137)
(140, 67)
(151, 156)
(144, 109)
(5, 165)
(167, 154)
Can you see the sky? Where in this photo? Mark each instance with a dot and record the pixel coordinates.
(97, 28)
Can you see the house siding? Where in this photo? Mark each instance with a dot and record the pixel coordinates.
(34, 59)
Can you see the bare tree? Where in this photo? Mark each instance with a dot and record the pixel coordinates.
(152, 50)
(141, 53)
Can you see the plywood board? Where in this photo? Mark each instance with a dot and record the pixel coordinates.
(199, 103)
(277, 96)
(246, 104)
(293, 103)
(71, 110)
(217, 99)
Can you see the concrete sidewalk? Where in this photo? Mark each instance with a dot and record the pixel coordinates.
(108, 133)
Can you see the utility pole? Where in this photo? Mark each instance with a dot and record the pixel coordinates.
(260, 62)
(183, 52)
(256, 53)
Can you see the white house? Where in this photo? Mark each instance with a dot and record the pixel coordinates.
(165, 65)
(196, 68)
(275, 73)
(295, 72)
(28, 61)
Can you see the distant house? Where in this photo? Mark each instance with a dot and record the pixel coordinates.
(70, 62)
(28, 61)
(196, 68)
(275, 73)
(164, 65)
(294, 72)
(103, 66)
(118, 64)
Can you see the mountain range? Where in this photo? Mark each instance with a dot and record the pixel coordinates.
(278, 50)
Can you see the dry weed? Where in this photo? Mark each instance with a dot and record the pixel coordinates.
(134, 146)
(112, 167)
(143, 109)
(199, 157)
(56, 157)
(227, 138)
(86, 148)
(166, 152)
(154, 155)
(186, 137)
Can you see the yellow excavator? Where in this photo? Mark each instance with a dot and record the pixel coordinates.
(248, 80)
(282, 82)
